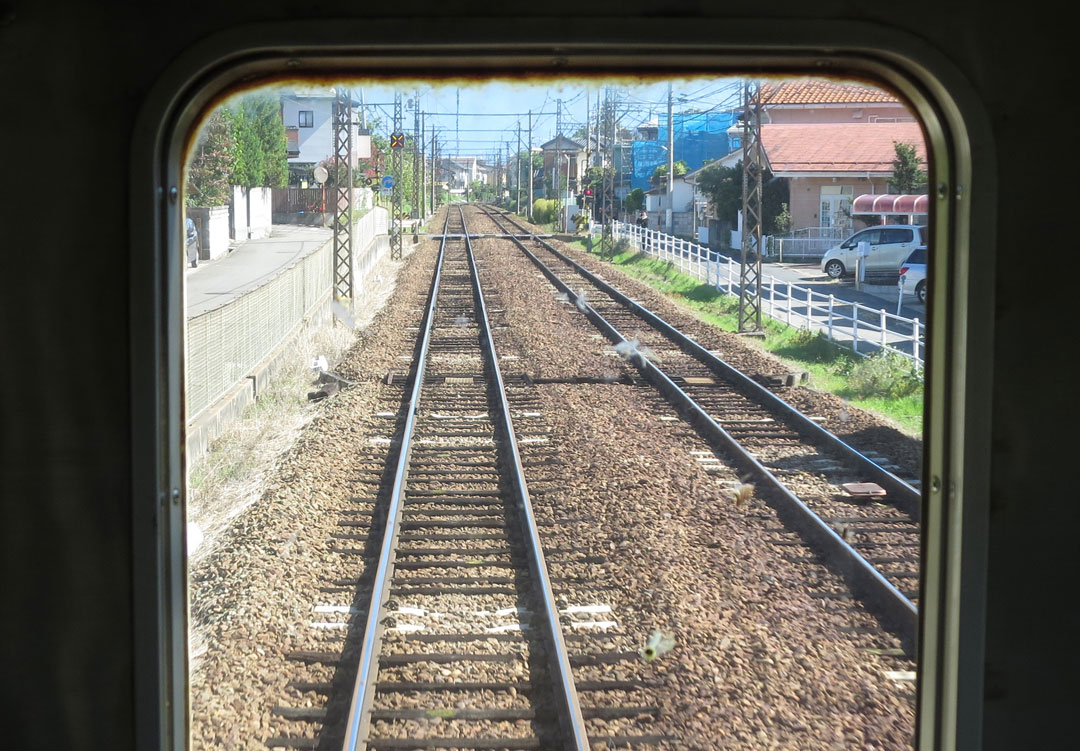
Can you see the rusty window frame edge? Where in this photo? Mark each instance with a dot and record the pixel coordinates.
(956, 426)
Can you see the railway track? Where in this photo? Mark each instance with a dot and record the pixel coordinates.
(463, 627)
(874, 542)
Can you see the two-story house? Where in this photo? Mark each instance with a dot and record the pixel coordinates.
(564, 164)
(308, 115)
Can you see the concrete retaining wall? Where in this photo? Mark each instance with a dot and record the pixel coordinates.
(234, 351)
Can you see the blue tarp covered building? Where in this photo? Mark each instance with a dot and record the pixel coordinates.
(699, 136)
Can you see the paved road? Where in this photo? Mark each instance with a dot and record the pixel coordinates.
(811, 276)
(249, 265)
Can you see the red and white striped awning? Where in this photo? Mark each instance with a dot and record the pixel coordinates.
(889, 203)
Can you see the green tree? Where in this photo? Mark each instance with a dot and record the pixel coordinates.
(908, 176)
(635, 200)
(209, 173)
(782, 223)
(723, 187)
(260, 153)
(659, 175)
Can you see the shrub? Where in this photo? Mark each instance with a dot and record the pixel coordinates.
(544, 210)
(884, 375)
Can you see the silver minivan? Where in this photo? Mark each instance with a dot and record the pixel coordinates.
(889, 246)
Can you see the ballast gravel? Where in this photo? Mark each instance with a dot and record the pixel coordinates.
(768, 653)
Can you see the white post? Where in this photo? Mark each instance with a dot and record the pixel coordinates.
(915, 341)
(772, 296)
(884, 330)
(855, 326)
(831, 301)
(789, 303)
(730, 287)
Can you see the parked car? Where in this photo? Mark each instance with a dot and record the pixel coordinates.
(192, 243)
(913, 274)
(889, 246)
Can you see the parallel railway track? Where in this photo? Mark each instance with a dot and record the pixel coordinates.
(874, 545)
(463, 626)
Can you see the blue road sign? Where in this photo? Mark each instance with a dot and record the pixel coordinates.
(388, 181)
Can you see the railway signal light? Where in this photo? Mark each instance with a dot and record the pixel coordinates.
(397, 140)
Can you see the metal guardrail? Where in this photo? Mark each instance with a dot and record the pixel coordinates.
(864, 329)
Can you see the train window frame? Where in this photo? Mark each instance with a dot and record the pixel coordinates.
(956, 445)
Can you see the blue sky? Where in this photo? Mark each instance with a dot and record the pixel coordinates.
(490, 112)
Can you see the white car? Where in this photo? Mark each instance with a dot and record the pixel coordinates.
(913, 274)
(888, 245)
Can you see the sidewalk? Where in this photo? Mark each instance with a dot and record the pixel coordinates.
(248, 265)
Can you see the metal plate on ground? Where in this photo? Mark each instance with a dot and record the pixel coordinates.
(698, 381)
(863, 489)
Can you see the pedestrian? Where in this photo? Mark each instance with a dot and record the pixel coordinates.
(192, 241)
(643, 218)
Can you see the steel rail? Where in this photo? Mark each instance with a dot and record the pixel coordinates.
(364, 688)
(864, 579)
(567, 696)
(902, 495)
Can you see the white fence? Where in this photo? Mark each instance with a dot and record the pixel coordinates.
(809, 242)
(864, 329)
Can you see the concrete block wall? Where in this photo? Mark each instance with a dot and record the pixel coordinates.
(260, 206)
(213, 225)
(250, 213)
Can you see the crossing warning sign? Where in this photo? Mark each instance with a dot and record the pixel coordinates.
(397, 140)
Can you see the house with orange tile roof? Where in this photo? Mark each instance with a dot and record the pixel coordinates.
(828, 164)
(817, 101)
(833, 141)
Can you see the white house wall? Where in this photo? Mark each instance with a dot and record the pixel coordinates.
(316, 143)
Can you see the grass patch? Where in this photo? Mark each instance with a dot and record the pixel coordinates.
(883, 384)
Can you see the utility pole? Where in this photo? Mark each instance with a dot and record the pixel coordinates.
(588, 140)
(434, 171)
(598, 121)
(607, 240)
(457, 126)
(530, 170)
(506, 171)
(517, 176)
(343, 279)
(558, 162)
(753, 163)
(423, 168)
(417, 176)
(397, 146)
(669, 217)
